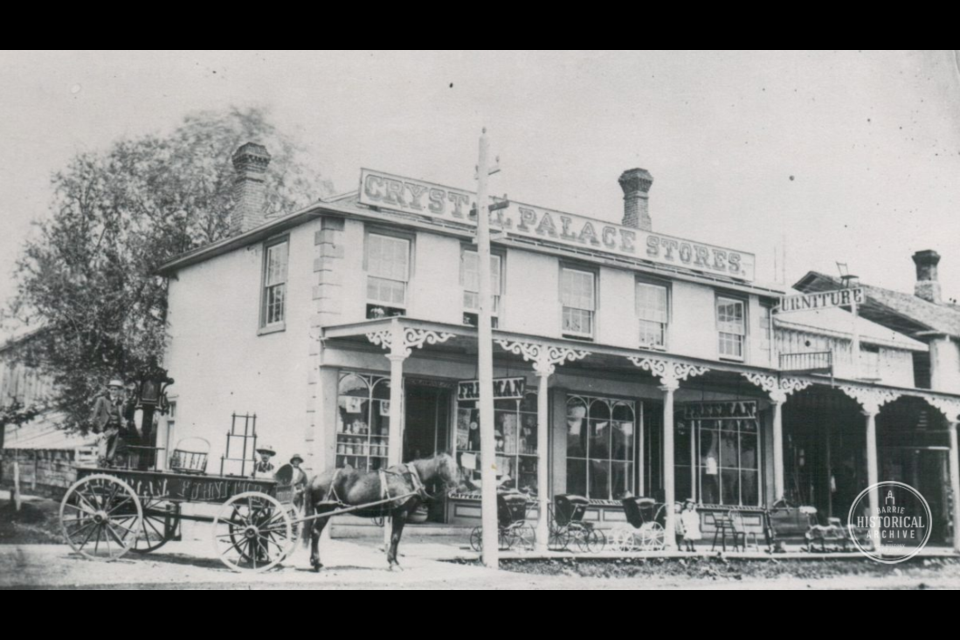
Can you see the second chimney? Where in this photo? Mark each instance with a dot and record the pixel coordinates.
(636, 185)
(250, 162)
(928, 286)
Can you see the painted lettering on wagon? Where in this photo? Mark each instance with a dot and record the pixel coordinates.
(195, 489)
(436, 201)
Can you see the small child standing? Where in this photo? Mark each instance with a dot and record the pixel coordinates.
(690, 520)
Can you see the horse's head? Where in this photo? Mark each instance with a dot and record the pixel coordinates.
(447, 471)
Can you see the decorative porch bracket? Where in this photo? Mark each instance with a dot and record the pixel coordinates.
(949, 408)
(778, 388)
(869, 398)
(544, 358)
(670, 372)
(403, 340)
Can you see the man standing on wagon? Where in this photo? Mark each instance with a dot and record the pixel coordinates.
(108, 420)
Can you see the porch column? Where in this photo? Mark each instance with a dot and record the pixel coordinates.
(669, 458)
(873, 476)
(545, 360)
(778, 467)
(778, 389)
(543, 448)
(400, 341)
(955, 483)
(398, 353)
(670, 373)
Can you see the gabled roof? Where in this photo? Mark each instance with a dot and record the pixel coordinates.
(901, 312)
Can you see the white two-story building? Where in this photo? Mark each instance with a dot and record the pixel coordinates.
(351, 323)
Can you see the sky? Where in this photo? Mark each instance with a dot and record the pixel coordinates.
(849, 156)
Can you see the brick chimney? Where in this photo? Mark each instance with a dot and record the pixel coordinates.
(636, 185)
(250, 162)
(927, 287)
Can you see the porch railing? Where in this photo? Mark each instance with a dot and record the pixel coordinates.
(811, 362)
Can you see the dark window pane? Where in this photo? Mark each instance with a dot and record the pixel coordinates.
(577, 477)
(751, 488)
(731, 486)
(748, 452)
(599, 480)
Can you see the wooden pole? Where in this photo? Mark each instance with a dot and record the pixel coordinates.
(488, 505)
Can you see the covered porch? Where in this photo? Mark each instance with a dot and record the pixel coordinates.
(588, 419)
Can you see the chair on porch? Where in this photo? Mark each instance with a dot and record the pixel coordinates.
(726, 524)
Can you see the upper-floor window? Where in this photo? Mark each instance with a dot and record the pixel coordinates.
(388, 274)
(470, 279)
(578, 293)
(275, 261)
(652, 310)
(731, 327)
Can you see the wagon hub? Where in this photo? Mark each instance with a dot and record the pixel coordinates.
(251, 532)
(100, 517)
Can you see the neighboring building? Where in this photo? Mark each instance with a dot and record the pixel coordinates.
(338, 322)
(46, 453)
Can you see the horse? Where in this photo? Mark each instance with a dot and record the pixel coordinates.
(346, 487)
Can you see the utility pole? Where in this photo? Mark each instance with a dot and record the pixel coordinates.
(488, 454)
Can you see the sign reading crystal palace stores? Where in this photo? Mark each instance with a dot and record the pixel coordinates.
(417, 197)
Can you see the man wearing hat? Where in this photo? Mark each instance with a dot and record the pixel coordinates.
(108, 420)
(299, 481)
(264, 467)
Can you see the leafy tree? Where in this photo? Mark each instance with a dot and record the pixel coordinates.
(89, 274)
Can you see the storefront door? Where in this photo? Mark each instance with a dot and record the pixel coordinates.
(427, 430)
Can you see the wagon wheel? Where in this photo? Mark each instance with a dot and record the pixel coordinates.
(652, 537)
(100, 517)
(161, 518)
(476, 539)
(592, 540)
(623, 539)
(253, 532)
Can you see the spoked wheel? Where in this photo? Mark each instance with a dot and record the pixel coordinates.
(591, 540)
(526, 538)
(652, 537)
(253, 532)
(100, 517)
(161, 517)
(476, 539)
(506, 537)
(559, 539)
(623, 539)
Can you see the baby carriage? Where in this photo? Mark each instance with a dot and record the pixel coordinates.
(645, 532)
(567, 526)
(512, 528)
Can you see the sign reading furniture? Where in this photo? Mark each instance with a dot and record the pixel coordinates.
(417, 197)
(824, 300)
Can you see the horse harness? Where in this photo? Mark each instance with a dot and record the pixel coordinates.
(402, 470)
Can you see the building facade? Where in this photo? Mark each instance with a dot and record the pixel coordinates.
(349, 329)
